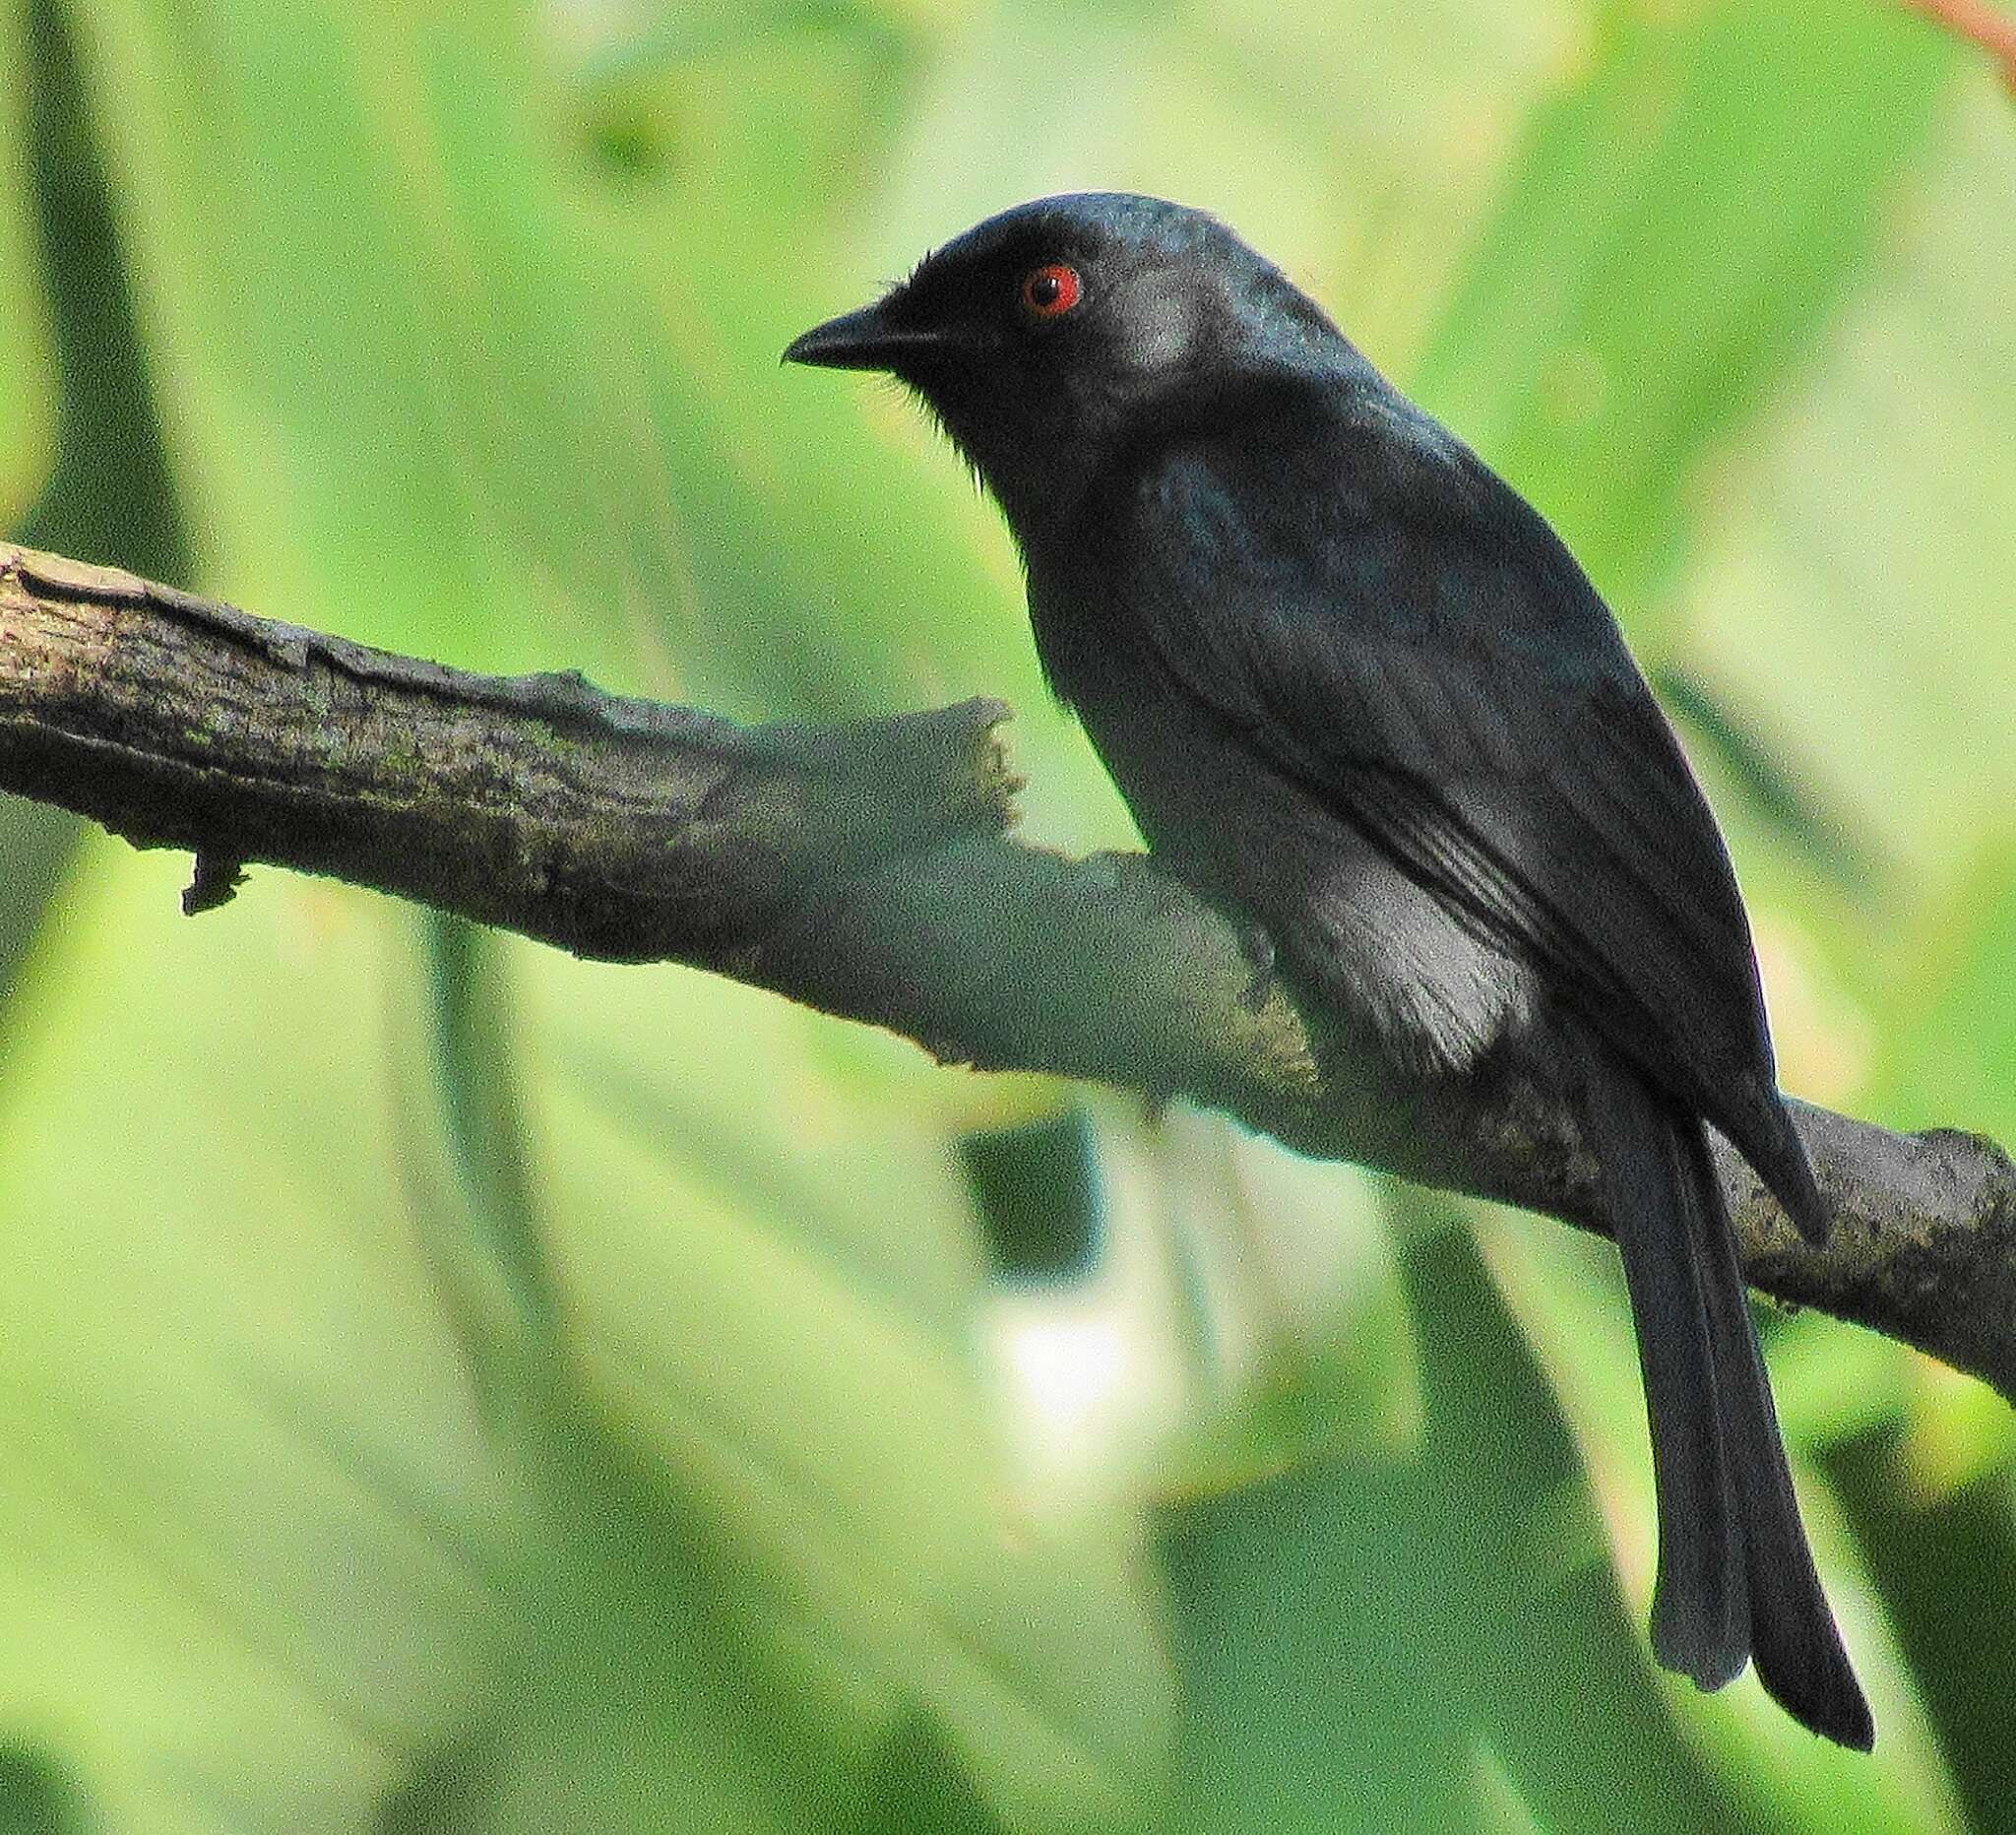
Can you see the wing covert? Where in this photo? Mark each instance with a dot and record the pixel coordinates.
(1436, 671)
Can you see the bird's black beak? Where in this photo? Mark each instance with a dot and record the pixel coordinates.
(863, 340)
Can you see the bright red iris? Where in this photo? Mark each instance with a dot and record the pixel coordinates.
(1051, 290)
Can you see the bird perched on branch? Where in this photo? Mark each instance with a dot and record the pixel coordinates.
(1355, 690)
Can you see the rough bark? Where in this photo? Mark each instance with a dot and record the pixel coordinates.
(867, 871)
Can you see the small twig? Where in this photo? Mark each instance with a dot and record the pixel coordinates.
(214, 882)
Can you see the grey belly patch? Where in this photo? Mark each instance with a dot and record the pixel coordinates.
(1389, 954)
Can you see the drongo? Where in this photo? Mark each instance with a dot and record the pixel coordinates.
(1357, 691)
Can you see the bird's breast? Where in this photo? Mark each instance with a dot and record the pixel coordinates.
(1215, 808)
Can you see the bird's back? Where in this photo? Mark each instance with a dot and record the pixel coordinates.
(1350, 681)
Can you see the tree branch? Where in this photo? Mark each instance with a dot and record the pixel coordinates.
(867, 870)
(1981, 25)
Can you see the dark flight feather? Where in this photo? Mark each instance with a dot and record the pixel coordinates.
(1496, 742)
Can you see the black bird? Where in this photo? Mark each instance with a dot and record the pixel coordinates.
(1355, 690)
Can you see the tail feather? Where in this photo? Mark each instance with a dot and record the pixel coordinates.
(1700, 1619)
(1800, 1655)
(1735, 1575)
(1763, 1133)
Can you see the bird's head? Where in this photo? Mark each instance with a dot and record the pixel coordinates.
(1059, 337)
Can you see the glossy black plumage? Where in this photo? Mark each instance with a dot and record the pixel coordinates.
(1354, 687)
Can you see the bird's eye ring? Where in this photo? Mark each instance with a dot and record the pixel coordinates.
(1051, 290)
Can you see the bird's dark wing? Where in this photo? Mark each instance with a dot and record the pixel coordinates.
(1425, 659)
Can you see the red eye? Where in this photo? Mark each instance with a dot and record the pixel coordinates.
(1051, 290)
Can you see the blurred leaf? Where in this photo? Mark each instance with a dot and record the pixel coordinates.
(1038, 1187)
(455, 431)
(1832, 1382)
(36, 1799)
(1962, 1433)
(1567, 1295)
(475, 1041)
(107, 495)
(1795, 808)
(36, 843)
(402, 397)
(788, 1384)
(1950, 1057)
(96, 504)
(1943, 1567)
(811, 1129)
(917, 1787)
(1372, 145)
(807, 1381)
(27, 406)
(847, 1539)
(638, 1692)
(1295, 1299)
(253, 1524)
(1849, 589)
(1683, 222)
(738, 1557)
(102, 493)
(1308, 1610)
(1382, 1643)
(839, 557)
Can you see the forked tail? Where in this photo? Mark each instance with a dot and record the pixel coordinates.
(1736, 1577)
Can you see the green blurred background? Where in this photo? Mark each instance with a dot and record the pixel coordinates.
(448, 1388)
